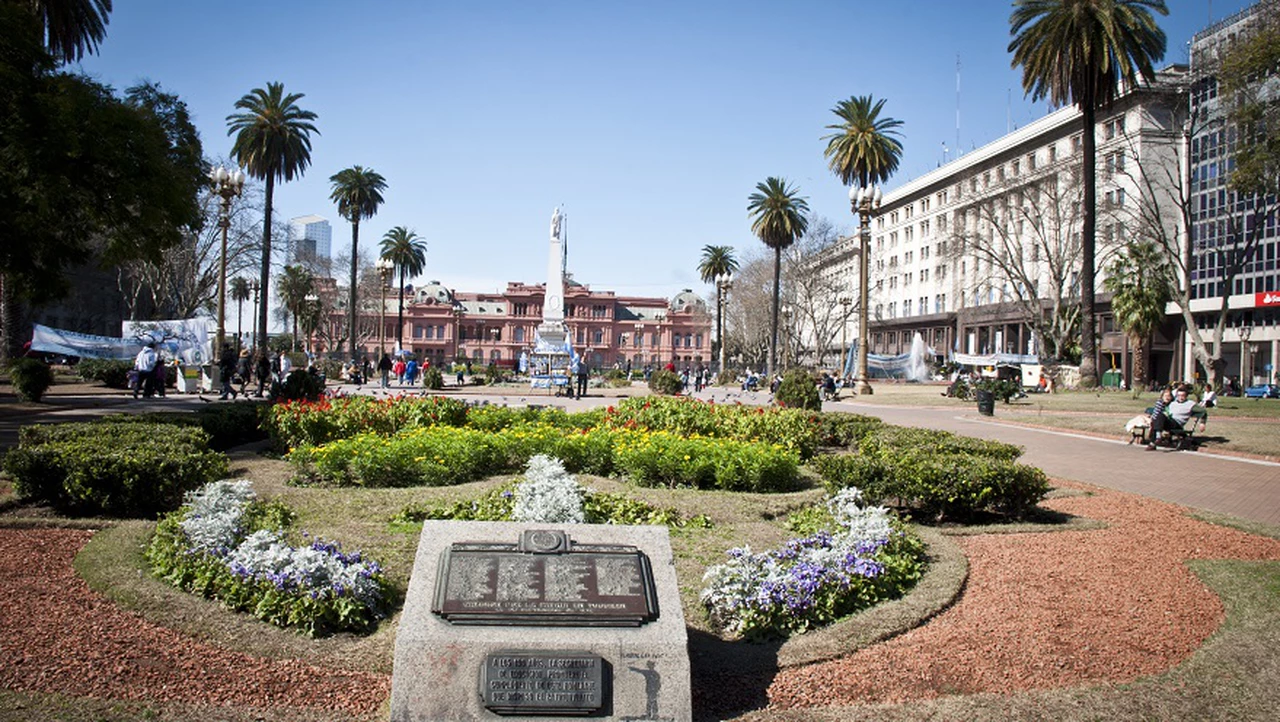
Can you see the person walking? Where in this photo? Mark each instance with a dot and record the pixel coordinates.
(584, 371)
(384, 370)
(144, 365)
(263, 373)
(398, 369)
(244, 370)
(411, 371)
(227, 369)
(286, 366)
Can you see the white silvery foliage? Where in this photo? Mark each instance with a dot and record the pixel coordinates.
(264, 555)
(261, 553)
(212, 521)
(856, 521)
(548, 494)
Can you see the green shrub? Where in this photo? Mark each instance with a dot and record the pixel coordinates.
(665, 459)
(432, 378)
(889, 440)
(497, 418)
(794, 429)
(939, 485)
(494, 375)
(310, 423)
(111, 373)
(427, 456)
(300, 384)
(30, 378)
(330, 367)
(228, 425)
(798, 390)
(837, 428)
(665, 382)
(117, 469)
(1002, 389)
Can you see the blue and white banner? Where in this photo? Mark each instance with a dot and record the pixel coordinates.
(84, 345)
(185, 338)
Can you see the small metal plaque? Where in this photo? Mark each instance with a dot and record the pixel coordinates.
(520, 682)
(546, 579)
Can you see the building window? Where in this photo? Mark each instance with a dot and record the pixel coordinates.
(906, 307)
(599, 311)
(1053, 153)
(597, 336)
(520, 309)
(698, 341)
(417, 331)
(518, 334)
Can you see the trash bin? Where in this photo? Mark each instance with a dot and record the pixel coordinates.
(986, 402)
(1112, 379)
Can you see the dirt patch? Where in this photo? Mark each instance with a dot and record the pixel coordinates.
(1049, 610)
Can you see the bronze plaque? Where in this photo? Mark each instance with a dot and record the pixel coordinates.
(545, 579)
(543, 683)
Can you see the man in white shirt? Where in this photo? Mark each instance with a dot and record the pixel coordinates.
(285, 366)
(145, 364)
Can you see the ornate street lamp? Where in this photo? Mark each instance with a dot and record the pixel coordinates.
(865, 202)
(226, 184)
(385, 268)
(723, 284)
(312, 302)
(845, 303)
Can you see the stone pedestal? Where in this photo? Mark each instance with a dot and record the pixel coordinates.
(541, 631)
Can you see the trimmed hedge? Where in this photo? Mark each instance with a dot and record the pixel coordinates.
(798, 390)
(795, 429)
(940, 474)
(228, 425)
(665, 382)
(841, 429)
(110, 372)
(30, 379)
(126, 469)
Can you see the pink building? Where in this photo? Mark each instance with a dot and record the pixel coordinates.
(441, 325)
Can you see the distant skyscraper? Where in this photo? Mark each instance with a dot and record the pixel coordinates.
(310, 238)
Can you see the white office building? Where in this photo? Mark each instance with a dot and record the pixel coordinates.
(310, 238)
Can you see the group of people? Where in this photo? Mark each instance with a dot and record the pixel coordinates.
(237, 371)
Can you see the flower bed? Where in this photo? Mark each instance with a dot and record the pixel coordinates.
(310, 423)
(863, 558)
(224, 544)
(794, 429)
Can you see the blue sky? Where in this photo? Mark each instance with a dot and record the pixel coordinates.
(650, 123)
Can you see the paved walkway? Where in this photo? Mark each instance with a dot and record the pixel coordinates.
(1240, 487)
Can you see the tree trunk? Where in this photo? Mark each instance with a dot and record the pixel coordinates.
(8, 321)
(351, 297)
(1088, 349)
(1139, 362)
(773, 324)
(264, 276)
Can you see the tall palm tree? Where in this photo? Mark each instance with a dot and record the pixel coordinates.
(1139, 282)
(1080, 51)
(358, 193)
(273, 140)
(71, 28)
(778, 220)
(864, 149)
(293, 287)
(407, 252)
(240, 292)
(717, 261)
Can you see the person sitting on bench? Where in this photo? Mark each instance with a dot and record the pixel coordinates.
(1168, 414)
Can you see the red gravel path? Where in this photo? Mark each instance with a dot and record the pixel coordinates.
(1049, 610)
(56, 635)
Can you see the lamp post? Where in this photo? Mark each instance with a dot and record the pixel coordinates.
(226, 184)
(1246, 368)
(312, 302)
(458, 310)
(786, 337)
(723, 284)
(845, 303)
(384, 271)
(864, 202)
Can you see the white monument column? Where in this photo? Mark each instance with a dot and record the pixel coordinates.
(552, 329)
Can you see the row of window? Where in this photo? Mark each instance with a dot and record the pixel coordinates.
(921, 307)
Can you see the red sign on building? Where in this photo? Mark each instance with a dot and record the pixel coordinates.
(1270, 298)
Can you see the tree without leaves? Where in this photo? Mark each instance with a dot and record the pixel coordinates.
(407, 253)
(273, 142)
(813, 292)
(358, 193)
(778, 220)
(1079, 51)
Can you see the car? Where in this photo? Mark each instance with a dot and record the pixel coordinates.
(1263, 391)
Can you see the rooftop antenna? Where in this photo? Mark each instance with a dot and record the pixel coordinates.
(1008, 111)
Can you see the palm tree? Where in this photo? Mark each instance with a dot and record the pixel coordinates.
(717, 262)
(407, 252)
(273, 140)
(778, 221)
(1139, 282)
(358, 193)
(293, 286)
(240, 292)
(71, 28)
(1080, 51)
(863, 149)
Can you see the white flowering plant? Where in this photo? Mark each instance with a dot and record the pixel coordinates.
(226, 544)
(548, 494)
(865, 557)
